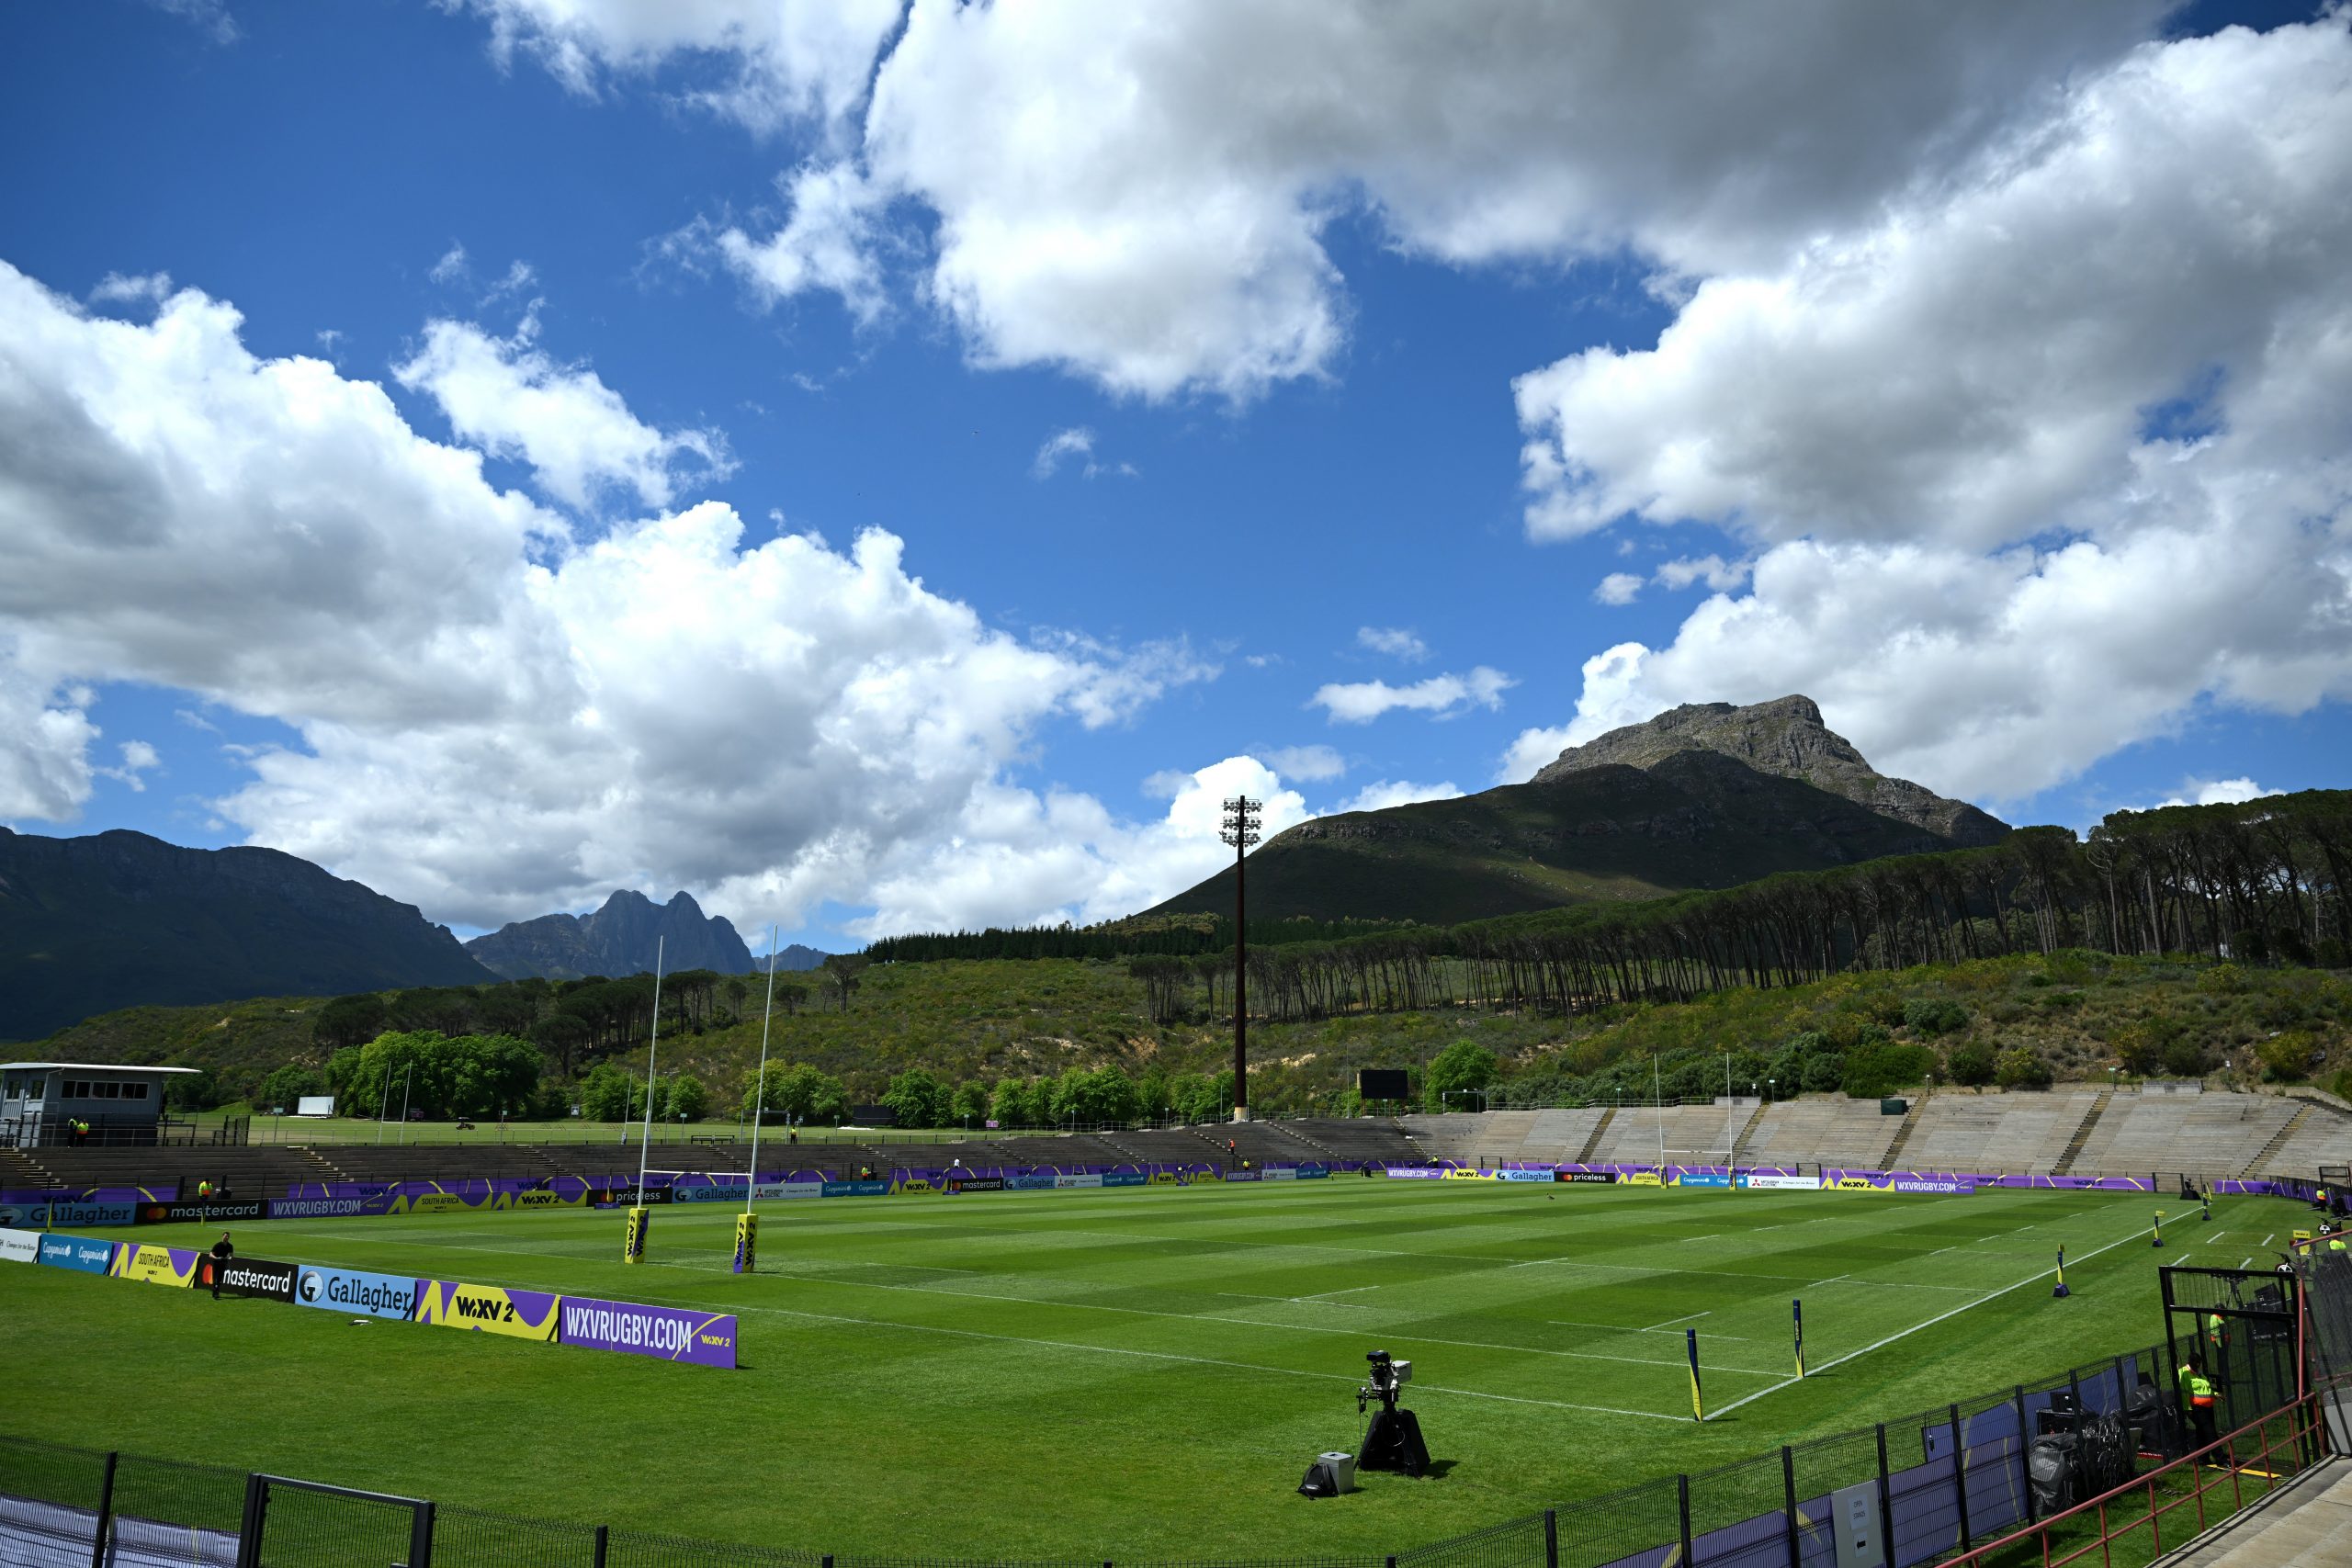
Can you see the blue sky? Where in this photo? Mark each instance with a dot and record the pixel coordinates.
(1244, 409)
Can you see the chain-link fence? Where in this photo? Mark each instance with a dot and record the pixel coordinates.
(1916, 1491)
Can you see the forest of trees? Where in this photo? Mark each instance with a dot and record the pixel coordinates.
(2259, 882)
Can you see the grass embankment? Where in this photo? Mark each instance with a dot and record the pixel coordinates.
(986, 1020)
(1113, 1374)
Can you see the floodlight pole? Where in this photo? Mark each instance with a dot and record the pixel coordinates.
(1240, 830)
(645, 1139)
(759, 1090)
(1659, 1093)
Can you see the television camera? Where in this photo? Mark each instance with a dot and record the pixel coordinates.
(1392, 1441)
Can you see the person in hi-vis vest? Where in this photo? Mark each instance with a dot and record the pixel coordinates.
(2204, 1403)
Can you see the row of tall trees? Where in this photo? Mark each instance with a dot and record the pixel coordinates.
(2260, 881)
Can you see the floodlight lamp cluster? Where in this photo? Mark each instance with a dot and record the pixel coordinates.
(1242, 822)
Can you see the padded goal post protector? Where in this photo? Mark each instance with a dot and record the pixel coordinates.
(641, 1220)
(747, 1241)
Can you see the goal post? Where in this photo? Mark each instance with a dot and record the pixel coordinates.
(732, 1182)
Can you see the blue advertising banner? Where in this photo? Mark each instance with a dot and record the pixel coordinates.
(1123, 1178)
(857, 1188)
(1703, 1178)
(348, 1289)
(1029, 1183)
(719, 1194)
(77, 1252)
(1544, 1176)
(1312, 1172)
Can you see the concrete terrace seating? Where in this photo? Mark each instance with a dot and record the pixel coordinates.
(2208, 1134)
(1365, 1137)
(2324, 1138)
(1992, 1131)
(1694, 1134)
(1470, 1137)
(1823, 1130)
(250, 1171)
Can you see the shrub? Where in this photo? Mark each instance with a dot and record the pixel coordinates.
(2285, 1057)
(2221, 980)
(2019, 1067)
(1971, 1065)
(1878, 1070)
(2185, 1059)
(1934, 1015)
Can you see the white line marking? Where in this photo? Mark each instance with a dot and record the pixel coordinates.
(2265, 1240)
(1915, 1329)
(1671, 1322)
(2243, 1261)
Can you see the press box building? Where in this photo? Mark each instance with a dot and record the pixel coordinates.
(40, 1101)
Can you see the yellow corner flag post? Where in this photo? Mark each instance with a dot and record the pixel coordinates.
(2060, 1290)
(1796, 1315)
(2156, 1237)
(747, 1241)
(640, 1220)
(1691, 1338)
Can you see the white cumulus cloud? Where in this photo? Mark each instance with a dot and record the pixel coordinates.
(1617, 587)
(1397, 642)
(497, 718)
(1361, 702)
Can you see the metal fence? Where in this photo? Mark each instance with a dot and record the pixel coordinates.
(1921, 1489)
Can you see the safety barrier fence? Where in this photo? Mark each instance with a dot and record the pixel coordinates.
(2177, 1501)
(1941, 1484)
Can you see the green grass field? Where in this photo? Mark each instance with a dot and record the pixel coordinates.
(1115, 1373)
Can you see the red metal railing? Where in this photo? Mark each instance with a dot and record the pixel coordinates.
(2249, 1448)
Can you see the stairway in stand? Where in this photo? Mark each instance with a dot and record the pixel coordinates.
(2270, 1151)
(328, 1170)
(1584, 1155)
(1739, 1145)
(2083, 1134)
(1903, 1134)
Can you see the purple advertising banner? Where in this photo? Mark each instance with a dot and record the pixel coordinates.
(706, 1339)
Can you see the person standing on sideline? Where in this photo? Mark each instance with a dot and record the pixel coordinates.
(222, 1250)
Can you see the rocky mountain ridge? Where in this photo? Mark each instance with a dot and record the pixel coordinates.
(89, 925)
(618, 939)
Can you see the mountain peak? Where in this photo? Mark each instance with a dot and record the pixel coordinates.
(621, 937)
(1785, 737)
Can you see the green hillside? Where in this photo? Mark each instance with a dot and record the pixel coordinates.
(1695, 820)
(987, 1023)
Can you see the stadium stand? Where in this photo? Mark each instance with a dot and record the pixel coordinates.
(2204, 1134)
(1822, 1129)
(2026, 1132)
(1693, 1135)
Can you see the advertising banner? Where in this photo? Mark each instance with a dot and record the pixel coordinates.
(1702, 1179)
(540, 1199)
(705, 1339)
(1464, 1173)
(856, 1189)
(1281, 1173)
(1756, 1182)
(1312, 1172)
(1542, 1176)
(1640, 1179)
(629, 1197)
(1933, 1184)
(976, 1184)
(1086, 1180)
(68, 1212)
(352, 1291)
(1122, 1178)
(914, 1184)
(1859, 1184)
(1025, 1183)
(78, 1253)
(200, 1213)
(1413, 1172)
(19, 1246)
(767, 1189)
(156, 1264)
(248, 1277)
(1607, 1178)
(1242, 1175)
(1166, 1178)
(487, 1309)
(734, 1193)
(320, 1208)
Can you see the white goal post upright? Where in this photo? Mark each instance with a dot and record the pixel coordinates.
(747, 1229)
(641, 1217)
